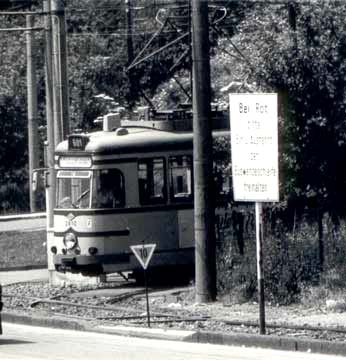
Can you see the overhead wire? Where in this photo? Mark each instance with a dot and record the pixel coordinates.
(166, 8)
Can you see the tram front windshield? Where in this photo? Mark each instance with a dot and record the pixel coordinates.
(90, 189)
(73, 189)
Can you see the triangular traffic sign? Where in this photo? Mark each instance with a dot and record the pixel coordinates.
(143, 253)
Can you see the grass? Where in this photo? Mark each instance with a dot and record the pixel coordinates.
(22, 249)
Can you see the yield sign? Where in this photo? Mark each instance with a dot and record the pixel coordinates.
(143, 253)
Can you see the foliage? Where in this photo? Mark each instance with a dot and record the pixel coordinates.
(12, 59)
(290, 256)
(101, 48)
(305, 64)
(308, 67)
(13, 156)
(13, 199)
(13, 141)
(100, 54)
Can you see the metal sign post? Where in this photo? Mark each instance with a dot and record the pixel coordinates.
(255, 169)
(260, 270)
(143, 254)
(147, 296)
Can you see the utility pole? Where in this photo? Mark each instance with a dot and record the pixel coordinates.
(50, 144)
(292, 20)
(129, 43)
(202, 152)
(190, 47)
(32, 109)
(59, 67)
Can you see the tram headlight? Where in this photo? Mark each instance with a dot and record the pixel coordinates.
(70, 241)
(93, 250)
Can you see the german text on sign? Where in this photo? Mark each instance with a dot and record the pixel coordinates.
(254, 144)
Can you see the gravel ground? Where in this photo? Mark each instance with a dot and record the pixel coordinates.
(114, 303)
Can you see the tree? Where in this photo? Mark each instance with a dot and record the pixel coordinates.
(98, 57)
(309, 65)
(13, 154)
(15, 4)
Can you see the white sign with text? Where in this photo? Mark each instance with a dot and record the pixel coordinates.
(254, 144)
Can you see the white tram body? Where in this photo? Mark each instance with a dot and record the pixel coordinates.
(120, 188)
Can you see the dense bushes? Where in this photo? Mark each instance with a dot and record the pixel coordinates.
(13, 199)
(305, 232)
(293, 261)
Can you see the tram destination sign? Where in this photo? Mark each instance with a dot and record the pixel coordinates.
(75, 162)
(254, 146)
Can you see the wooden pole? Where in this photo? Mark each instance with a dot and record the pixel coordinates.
(59, 65)
(50, 144)
(129, 41)
(49, 113)
(33, 143)
(202, 152)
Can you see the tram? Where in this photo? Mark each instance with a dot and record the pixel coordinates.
(129, 184)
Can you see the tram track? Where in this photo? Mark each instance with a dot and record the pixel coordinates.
(125, 305)
(167, 317)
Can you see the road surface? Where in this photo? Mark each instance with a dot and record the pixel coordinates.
(22, 342)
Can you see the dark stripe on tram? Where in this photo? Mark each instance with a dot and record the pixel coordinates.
(133, 210)
(125, 232)
(162, 145)
(114, 161)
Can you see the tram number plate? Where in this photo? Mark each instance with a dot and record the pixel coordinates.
(70, 223)
(143, 253)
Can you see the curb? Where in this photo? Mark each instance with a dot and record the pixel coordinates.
(236, 339)
(54, 321)
(272, 342)
(149, 333)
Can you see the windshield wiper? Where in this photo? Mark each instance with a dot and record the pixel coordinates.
(75, 204)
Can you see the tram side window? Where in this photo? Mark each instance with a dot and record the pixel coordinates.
(180, 174)
(109, 189)
(151, 181)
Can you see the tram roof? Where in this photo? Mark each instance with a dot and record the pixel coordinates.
(134, 140)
